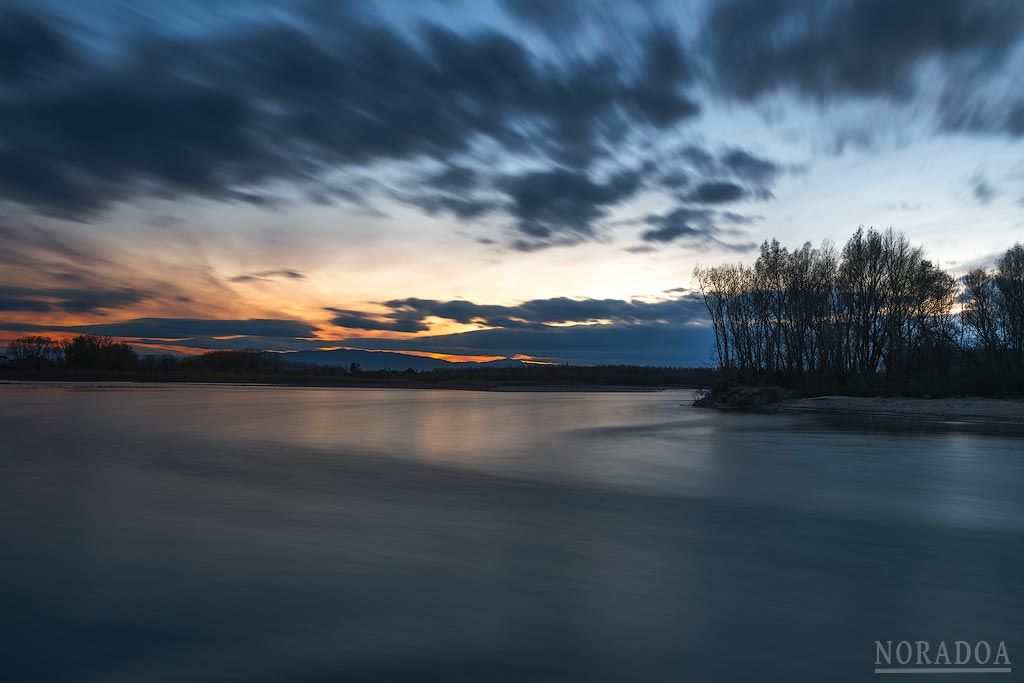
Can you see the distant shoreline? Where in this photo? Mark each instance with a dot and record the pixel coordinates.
(163, 384)
(244, 368)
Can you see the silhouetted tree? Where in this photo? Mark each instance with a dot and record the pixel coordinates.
(993, 308)
(243, 361)
(1009, 279)
(877, 305)
(33, 352)
(93, 352)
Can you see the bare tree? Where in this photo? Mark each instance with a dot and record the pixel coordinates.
(982, 311)
(876, 306)
(1009, 279)
(34, 351)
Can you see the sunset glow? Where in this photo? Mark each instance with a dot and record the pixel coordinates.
(527, 228)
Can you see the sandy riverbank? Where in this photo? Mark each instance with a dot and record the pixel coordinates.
(971, 410)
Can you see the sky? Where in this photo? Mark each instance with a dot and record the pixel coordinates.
(479, 179)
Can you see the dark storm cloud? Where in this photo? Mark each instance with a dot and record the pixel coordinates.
(30, 245)
(682, 222)
(74, 150)
(1014, 122)
(29, 47)
(236, 343)
(729, 175)
(546, 15)
(674, 180)
(563, 206)
(454, 178)
(668, 233)
(546, 203)
(229, 113)
(852, 47)
(180, 328)
(558, 18)
(664, 64)
(717, 192)
(68, 300)
(263, 275)
(10, 304)
(457, 190)
(746, 166)
(410, 315)
(963, 110)
(465, 208)
(225, 114)
(738, 218)
(695, 227)
(701, 159)
(981, 188)
(173, 328)
(358, 320)
(952, 56)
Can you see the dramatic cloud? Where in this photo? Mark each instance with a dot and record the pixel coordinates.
(981, 188)
(955, 57)
(464, 208)
(67, 300)
(204, 343)
(358, 320)
(681, 222)
(180, 328)
(545, 15)
(731, 175)
(350, 108)
(519, 125)
(697, 227)
(562, 206)
(263, 275)
(228, 114)
(11, 304)
(963, 109)
(29, 48)
(409, 315)
(745, 166)
(28, 245)
(668, 331)
(454, 178)
(852, 47)
(717, 192)
(547, 203)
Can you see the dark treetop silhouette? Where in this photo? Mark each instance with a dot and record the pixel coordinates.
(875, 315)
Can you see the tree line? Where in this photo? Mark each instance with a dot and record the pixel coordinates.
(95, 358)
(96, 352)
(877, 307)
(85, 351)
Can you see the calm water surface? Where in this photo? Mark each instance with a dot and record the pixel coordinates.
(290, 535)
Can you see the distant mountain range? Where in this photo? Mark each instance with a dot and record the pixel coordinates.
(387, 360)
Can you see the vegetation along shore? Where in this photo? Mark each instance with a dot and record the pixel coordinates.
(872, 318)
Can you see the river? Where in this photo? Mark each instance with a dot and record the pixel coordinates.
(227, 533)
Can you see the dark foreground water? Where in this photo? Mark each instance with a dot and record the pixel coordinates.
(290, 535)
